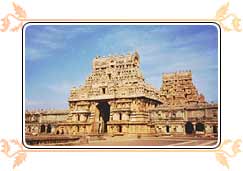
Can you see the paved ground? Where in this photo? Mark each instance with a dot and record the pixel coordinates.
(153, 141)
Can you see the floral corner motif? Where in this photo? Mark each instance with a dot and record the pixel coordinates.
(19, 155)
(20, 15)
(222, 155)
(223, 17)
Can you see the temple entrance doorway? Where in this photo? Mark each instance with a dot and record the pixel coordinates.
(200, 127)
(189, 127)
(104, 116)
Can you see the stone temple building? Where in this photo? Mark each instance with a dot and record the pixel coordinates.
(116, 100)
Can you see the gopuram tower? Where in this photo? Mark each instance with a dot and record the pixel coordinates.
(115, 98)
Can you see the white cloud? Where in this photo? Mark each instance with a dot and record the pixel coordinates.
(48, 39)
(29, 102)
(62, 88)
(33, 54)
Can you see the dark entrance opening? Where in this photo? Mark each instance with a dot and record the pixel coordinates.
(104, 109)
(43, 128)
(215, 129)
(189, 127)
(103, 90)
(200, 127)
(48, 128)
(120, 128)
(167, 128)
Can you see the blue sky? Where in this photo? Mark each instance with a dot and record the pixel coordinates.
(58, 57)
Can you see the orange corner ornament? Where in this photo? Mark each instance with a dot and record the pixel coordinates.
(222, 16)
(223, 156)
(20, 16)
(18, 155)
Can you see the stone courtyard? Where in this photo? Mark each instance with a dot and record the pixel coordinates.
(115, 102)
(154, 141)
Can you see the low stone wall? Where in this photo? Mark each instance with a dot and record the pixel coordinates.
(54, 140)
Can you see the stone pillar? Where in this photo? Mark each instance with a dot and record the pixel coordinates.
(94, 118)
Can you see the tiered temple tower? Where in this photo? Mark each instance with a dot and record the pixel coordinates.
(178, 89)
(115, 97)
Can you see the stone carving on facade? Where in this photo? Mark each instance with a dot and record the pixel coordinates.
(115, 99)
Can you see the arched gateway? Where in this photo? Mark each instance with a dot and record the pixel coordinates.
(104, 116)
